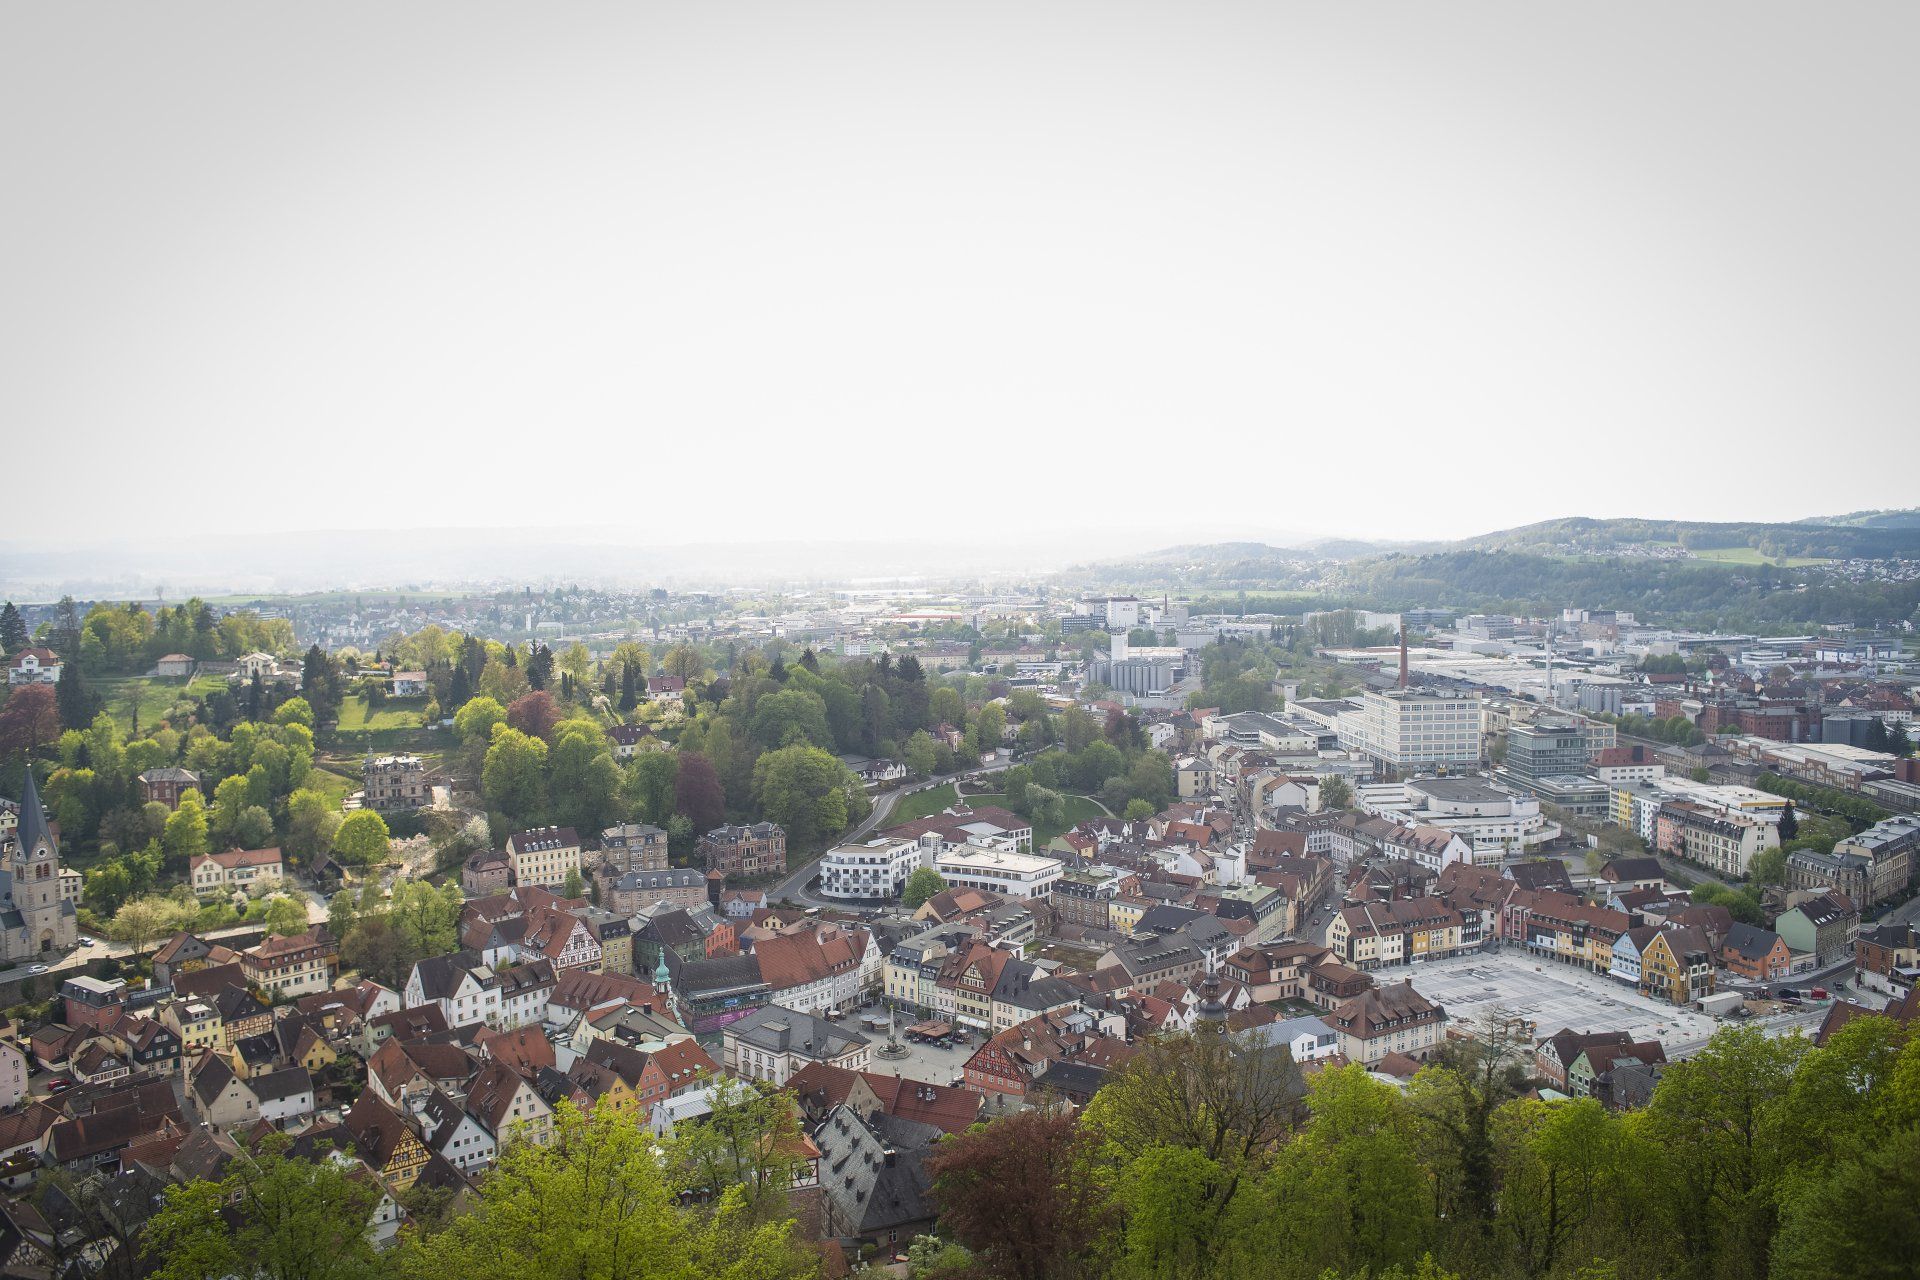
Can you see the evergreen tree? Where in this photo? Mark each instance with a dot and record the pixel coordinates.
(320, 683)
(13, 630)
(1789, 823)
(76, 704)
(66, 630)
(629, 688)
(539, 667)
(460, 690)
(810, 662)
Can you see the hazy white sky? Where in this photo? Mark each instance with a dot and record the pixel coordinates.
(843, 270)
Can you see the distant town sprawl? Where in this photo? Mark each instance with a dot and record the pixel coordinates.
(952, 931)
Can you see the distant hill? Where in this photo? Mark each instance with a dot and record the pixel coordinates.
(1908, 518)
(1864, 535)
(1797, 540)
(1754, 575)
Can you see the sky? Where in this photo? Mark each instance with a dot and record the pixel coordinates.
(777, 271)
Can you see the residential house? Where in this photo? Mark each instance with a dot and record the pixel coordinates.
(236, 870)
(166, 784)
(285, 1095)
(545, 856)
(1374, 935)
(627, 739)
(1306, 1039)
(1758, 955)
(633, 846)
(1676, 966)
(1013, 1060)
(93, 1003)
(462, 986)
(1887, 957)
(1634, 873)
(33, 665)
(1822, 927)
(745, 851)
(14, 1070)
(385, 1141)
(219, 1096)
(485, 874)
(1591, 1071)
(1555, 1054)
(508, 1107)
(817, 970)
(1276, 970)
(298, 965)
(818, 1088)
(393, 783)
(562, 939)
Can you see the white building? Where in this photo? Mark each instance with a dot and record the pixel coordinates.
(1497, 824)
(1012, 875)
(875, 871)
(34, 666)
(1409, 730)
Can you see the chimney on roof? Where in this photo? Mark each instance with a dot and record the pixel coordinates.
(1403, 654)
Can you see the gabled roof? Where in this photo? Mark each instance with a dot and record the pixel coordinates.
(873, 1168)
(441, 977)
(1749, 942)
(376, 1129)
(210, 981)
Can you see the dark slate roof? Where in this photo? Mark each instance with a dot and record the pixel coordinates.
(33, 817)
(870, 1192)
(776, 1029)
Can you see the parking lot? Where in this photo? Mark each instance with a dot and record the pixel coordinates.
(1553, 995)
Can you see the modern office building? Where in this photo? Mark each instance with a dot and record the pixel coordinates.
(1414, 730)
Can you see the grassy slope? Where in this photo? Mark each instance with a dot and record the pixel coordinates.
(154, 697)
(1076, 810)
(922, 804)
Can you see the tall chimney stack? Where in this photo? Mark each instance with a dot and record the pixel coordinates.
(1403, 654)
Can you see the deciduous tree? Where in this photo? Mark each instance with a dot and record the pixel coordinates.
(362, 839)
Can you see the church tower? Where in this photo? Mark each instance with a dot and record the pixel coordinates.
(33, 917)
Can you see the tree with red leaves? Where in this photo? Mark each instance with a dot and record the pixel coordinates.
(1020, 1193)
(29, 720)
(697, 793)
(534, 714)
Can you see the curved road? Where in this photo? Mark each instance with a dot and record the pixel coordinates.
(793, 887)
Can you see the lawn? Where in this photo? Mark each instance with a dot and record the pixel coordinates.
(356, 718)
(332, 783)
(923, 804)
(153, 696)
(1749, 556)
(1075, 810)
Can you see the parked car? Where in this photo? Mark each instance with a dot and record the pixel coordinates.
(36, 968)
(85, 941)
(59, 1084)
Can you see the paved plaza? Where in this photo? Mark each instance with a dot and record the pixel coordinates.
(1553, 995)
